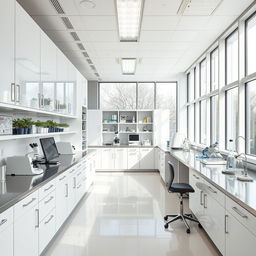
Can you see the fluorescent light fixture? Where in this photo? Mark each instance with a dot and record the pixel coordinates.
(128, 66)
(129, 16)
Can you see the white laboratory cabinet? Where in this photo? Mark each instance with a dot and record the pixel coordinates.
(121, 158)
(6, 232)
(147, 159)
(133, 158)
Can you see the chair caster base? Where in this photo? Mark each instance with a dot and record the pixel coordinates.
(165, 218)
(166, 226)
(199, 225)
(188, 231)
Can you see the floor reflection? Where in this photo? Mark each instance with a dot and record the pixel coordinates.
(123, 215)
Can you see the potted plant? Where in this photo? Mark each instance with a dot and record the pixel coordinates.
(51, 125)
(27, 123)
(18, 125)
(64, 127)
(40, 126)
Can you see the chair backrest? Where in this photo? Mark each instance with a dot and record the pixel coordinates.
(171, 175)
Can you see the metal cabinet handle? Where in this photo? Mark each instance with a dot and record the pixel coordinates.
(37, 218)
(72, 171)
(66, 190)
(74, 182)
(13, 92)
(201, 197)
(42, 100)
(239, 212)
(226, 224)
(62, 178)
(17, 93)
(79, 174)
(49, 200)
(205, 202)
(3, 221)
(196, 176)
(27, 204)
(46, 189)
(52, 216)
(212, 190)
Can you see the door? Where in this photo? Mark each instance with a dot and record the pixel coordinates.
(6, 240)
(7, 17)
(108, 161)
(61, 201)
(26, 233)
(27, 59)
(147, 158)
(239, 240)
(133, 158)
(120, 158)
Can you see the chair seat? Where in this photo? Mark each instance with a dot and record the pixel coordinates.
(181, 188)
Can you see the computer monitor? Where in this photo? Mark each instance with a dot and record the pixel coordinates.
(133, 139)
(49, 149)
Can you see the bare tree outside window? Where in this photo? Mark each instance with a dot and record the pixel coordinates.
(118, 95)
(146, 95)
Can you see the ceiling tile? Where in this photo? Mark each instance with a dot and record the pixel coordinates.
(160, 22)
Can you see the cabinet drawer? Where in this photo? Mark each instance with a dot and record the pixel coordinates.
(242, 215)
(46, 189)
(61, 178)
(46, 230)
(6, 219)
(46, 205)
(26, 204)
(215, 193)
(72, 170)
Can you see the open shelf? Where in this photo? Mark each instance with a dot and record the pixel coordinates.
(24, 110)
(37, 135)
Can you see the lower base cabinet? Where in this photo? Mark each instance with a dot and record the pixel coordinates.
(222, 218)
(46, 230)
(239, 240)
(6, 233)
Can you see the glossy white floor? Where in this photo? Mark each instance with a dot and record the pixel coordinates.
(123, 216)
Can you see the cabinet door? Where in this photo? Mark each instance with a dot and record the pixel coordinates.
(26, 233)
(214, 222)
(147, 158)
(7, 14)
(108, 161)
(121, 158)
(196, 198)
(48, 73)
(133, 158)
(61, 200)
(6, 241)
(27, 59)
(70, 93)
(239, 240)
(71, 192)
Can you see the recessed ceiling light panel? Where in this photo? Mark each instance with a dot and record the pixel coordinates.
(128, 66)
(129, 16)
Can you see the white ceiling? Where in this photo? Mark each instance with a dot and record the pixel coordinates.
(168, 44)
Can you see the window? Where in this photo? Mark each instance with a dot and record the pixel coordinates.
(146, 95)
(250, 45)
(118, 95)
(251, 118)
(203, 80)
(214, 118)
(204, 122)
(197, 122)
(191, 86)
(232, 57)
(214, 69)
(231, 115)
(191, 123)
(166, 96)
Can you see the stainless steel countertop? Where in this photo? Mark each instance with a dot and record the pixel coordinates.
(241, 192)
(16, 188)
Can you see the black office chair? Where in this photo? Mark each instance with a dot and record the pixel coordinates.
(181, 188)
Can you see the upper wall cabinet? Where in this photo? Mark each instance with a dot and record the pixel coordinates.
(7, 14)
(27, 59)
